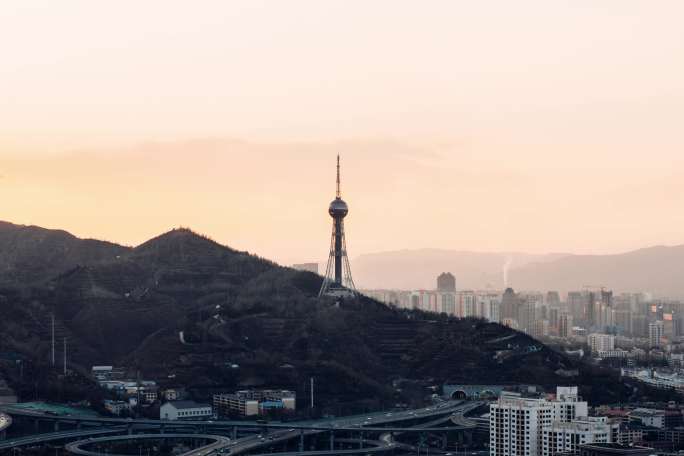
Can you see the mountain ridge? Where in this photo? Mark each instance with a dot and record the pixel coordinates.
(627, 271)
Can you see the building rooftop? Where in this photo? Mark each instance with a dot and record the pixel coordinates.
(616, 447)
(181, 405)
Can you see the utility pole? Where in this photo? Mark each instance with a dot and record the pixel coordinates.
(52, 316)
(65, 356)
(312, 393)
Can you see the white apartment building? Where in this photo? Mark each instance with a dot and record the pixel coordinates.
(655, 333)
(516, 423)
(601, 342)
(446, 302)
(184, 410)
(484, 304)
(488, 305)
(467, 306)
(564, 437)
(648, 417)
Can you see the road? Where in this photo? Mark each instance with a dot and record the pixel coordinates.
(217, 442)
(367, 423)
(337, 423)
(55, 436)
(277, 432)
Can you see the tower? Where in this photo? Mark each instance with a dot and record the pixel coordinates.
(338, 279)
(446, 282)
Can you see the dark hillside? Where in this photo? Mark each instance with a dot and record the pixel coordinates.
(187, 311)
(30, 254)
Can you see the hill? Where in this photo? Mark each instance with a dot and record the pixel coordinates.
(30, 254)
(655, 269)
(187, 311)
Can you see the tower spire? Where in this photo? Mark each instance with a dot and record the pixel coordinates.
(338, 176)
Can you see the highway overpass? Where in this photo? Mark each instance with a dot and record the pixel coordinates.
(451, 414)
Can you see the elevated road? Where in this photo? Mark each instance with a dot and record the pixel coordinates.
(342, 423)
(383, 423)
(39, 439)
(217, 442)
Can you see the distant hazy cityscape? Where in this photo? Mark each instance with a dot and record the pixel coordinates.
(627, 329)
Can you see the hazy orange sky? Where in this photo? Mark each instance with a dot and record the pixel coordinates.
(528, 125)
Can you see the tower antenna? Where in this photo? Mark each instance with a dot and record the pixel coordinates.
(338, 175)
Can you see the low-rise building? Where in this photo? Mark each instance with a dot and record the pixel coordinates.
(565, 437)
(117, 407)
(184, 410)
(648, 417)
(106, 373)
(601, 342)
(631, 433)
(174, 394)
(253, 402)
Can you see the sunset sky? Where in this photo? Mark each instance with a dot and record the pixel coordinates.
(528, 125)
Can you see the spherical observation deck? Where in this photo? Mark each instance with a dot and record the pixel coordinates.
(338, 208)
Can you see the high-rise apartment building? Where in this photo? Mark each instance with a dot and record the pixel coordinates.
(509, 305)
(516, 423)
(541, 328)
(655, 333)
(527, 312)
(552, 299)
(446, 282)
(487, 305)
(467, 305)
(554, 313)
(446, 302)
(565, 325)
(577, 305)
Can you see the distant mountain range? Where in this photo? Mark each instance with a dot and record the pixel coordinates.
(418, 269)
(658, 270)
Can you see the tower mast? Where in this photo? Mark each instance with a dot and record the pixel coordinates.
(338, 176)
(338, 280)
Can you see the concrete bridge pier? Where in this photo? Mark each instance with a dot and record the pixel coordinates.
(3, 434)
(56, 426)
(444, 441)
(234, 435)
(79, 425)
(301, 440)
(129, 428)
(332, 440)
(361, 439)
